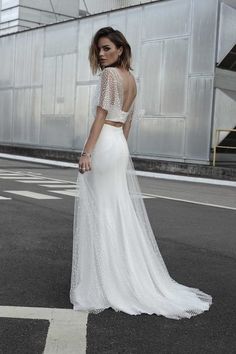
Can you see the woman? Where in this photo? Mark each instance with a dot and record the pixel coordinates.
(116, 260)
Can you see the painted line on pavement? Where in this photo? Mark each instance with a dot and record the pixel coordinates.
(193, 202)
(33, 195)
(67, 330)
(187, 178)
(41, 181)
(146, 196)
(12, 174)
(23, 178)
(71, 193)
(58, 186)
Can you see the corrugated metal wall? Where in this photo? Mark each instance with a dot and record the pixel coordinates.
(46, 83)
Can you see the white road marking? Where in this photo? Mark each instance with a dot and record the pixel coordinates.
(39, 181)
(193, 202)
(146, 196)
(19, 177)
(33, 195)
(46, 179)
(4, 198)
(174, 177)
(71, 193)
(59, 186)
(67, 330)
(13, 174)
(37, 160)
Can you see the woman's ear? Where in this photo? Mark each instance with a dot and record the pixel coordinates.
(120, 50)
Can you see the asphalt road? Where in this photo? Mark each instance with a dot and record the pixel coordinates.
(194, 226)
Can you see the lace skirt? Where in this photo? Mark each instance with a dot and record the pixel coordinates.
(116, 261)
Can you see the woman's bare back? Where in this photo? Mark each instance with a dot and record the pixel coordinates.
(130, 89)
(129, 93)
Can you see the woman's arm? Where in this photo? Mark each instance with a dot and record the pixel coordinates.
(126, 128)
(106, 99)
(95, 130)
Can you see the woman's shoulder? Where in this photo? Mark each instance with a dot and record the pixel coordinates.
(109, 71)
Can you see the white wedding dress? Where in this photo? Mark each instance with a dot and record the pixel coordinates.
(116, 261)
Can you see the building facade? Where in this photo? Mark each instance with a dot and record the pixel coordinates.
(46, 84)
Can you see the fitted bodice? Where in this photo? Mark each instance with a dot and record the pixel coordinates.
(109, 96)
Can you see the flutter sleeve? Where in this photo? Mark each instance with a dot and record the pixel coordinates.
(109, 96)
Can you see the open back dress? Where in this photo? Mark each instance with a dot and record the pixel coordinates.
(116, 261)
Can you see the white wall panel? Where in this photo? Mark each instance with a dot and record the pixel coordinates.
(35, 112)
(167, 18)
(9, 3)
(9, 15)
(101, 21)
(117, 20)
(61, 39)
(174, 77)
(59, 84)
(7, 61)
(23, 59)
(138, 113)
(163, 136)
(133, 36)
(150, 78)
(198, 124)
(203, 43)
(49, 86)
(66, 95)
(81, 116)
(37, 46)
(84, 39)
(57, 131)
(59, 99)
(26, 115)
(29, 58)
(6, 100)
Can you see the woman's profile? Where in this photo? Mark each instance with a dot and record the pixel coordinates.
(116, 261)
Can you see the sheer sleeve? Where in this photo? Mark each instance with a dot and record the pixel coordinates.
(107, 97)
(110, 93)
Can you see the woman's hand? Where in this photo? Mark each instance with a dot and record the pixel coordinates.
(84, 164)
(95, 130)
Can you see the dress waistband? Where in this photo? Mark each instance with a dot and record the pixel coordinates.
(113, 126)
(112, 129)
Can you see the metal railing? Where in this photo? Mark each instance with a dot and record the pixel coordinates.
(217, 137)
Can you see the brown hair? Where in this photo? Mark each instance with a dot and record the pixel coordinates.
(118, 39)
